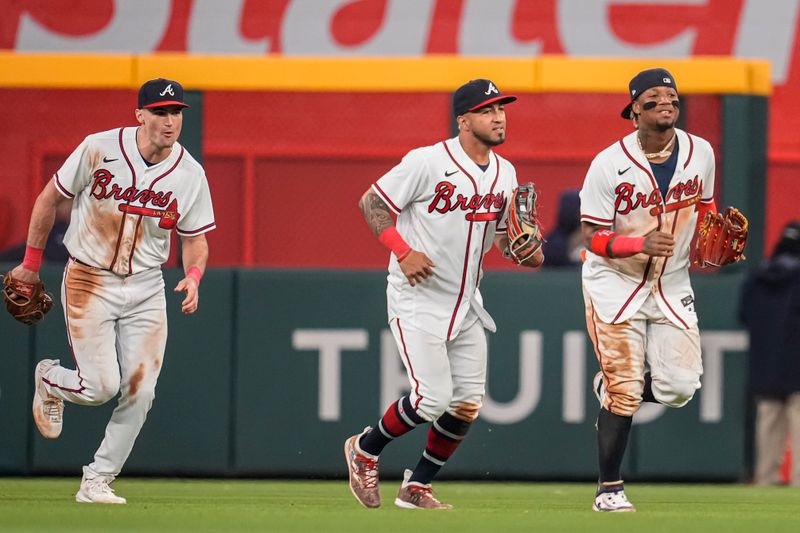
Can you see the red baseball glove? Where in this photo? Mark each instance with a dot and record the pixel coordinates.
(26, 302)
(721, 238)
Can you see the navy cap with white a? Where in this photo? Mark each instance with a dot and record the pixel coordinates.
(647, 79)
(161, 92)
(476, 94)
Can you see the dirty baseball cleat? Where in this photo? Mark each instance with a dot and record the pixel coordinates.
(363, 470)
(48, 411)
(613, 502)
(97, 489)
(414, 495)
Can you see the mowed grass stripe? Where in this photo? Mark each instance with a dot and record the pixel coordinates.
(46, 504)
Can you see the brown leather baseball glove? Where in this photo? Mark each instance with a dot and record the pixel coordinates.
(27, 302)
(721, 238)
(524, 230)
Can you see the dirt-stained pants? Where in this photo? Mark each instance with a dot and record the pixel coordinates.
(671, 353)
(117, 329)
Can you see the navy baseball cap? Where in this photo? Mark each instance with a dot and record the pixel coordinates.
(160, 92)
(647, 79)
(476, 94)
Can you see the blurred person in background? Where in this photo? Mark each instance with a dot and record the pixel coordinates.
(770, 309)
(54, 250)
(565, 242)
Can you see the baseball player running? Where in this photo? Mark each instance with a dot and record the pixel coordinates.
(451, 203)
(639, 207)
(129, 188)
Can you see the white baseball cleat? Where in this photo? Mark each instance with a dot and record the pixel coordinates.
(613, 502)
(48, 411)
(598, 387)
(97, 489)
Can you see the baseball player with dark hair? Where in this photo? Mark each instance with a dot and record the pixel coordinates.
(639, 208)
(451, 203)
(129, 188)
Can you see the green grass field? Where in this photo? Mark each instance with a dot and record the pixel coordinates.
(38, 504)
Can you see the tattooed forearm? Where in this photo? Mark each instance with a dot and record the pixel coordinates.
(376, 212)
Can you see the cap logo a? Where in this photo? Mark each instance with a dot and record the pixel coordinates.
(666, 80)
(168, 90)
(491, 89)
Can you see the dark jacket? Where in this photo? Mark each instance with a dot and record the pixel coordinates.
(770, 309)
(564, 242)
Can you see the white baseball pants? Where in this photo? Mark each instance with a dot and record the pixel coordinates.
(117, 329)
(444, 376)
(672, 353)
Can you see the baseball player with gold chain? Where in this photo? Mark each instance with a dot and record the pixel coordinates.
(639, 211)
(451, 202)
(130, 188)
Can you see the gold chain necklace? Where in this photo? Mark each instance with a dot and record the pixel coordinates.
(666, 152)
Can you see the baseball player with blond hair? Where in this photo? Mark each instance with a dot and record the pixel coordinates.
(130, 188)
(639, 209)
(451, 200)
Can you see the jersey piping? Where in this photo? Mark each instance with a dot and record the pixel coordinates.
(486, 226)
(691, 150)
(69, 338)
(410, 367)
(661, 290)
(63, 189)
(385, 196)
(469, 236)
(466, 254)
(124, 215)
(198, 230)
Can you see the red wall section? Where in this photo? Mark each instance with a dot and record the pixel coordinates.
(296, 164)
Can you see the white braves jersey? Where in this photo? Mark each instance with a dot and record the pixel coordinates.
(621, 192)
(124, 211)
(449, 209)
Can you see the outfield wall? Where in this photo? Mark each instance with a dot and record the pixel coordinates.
(277, 368)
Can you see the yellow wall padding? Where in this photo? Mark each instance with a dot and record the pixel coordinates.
(434, 73)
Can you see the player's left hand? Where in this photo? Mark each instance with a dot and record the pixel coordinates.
(189, 286)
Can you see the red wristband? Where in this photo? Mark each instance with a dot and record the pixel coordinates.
(600, 241)
(623, 246)
(703, 208)
(33, 258)
(195, 274)
(394, 241)
(620, 245)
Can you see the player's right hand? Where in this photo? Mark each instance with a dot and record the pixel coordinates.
(23, 274)
(416, 266)
(659, 243)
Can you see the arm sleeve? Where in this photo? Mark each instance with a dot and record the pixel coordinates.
(404, 183)
(597, 197)
(75, 174)
(198, 217)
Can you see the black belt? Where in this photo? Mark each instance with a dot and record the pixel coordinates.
(85, 264)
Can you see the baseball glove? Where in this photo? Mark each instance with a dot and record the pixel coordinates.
(27, 302)
(721, 238)
(524, 231)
